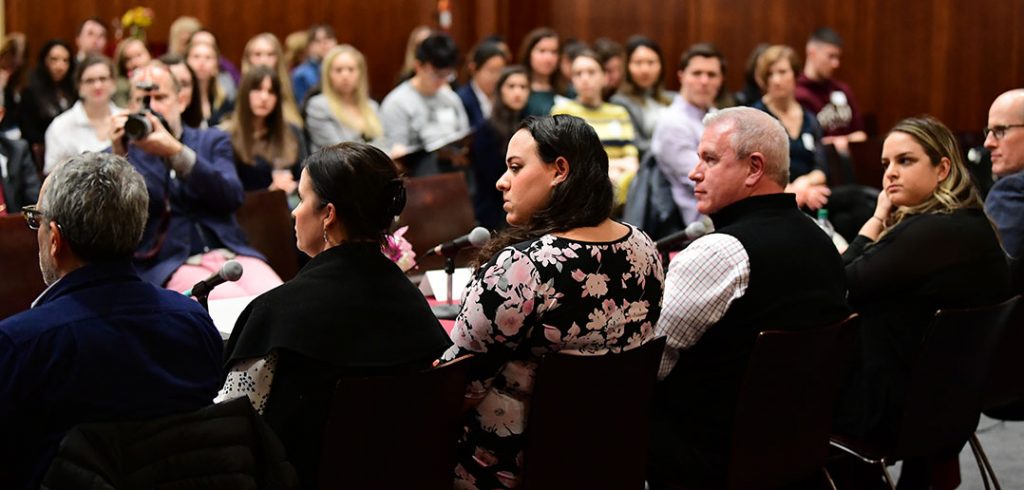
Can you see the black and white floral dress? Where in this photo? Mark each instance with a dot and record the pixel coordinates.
(537, 297)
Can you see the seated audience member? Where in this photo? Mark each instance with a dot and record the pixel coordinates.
(539, 54)
(12, 77)
(490, 143)
(350, 311)
(776, 69)
(265, 49)
(180, 32)
(751, 91)
(100, 344)
(91, 38)
(611, 121)
(424, 110)
(192, 116)
(562, 265)
(194, 193)
(675, 140)
(307, 75)
(50, 91)
(416, 36)
(613, 58)
(268, 150)
(343, 110)
(295, 45)
(488, 59)
(927, 246)
(641, 93)
(830, 100)
(228, 75)
(215, 102)
(726, 287)
(19, 182)
(130, 54)
(86, 125)
(1004, 138)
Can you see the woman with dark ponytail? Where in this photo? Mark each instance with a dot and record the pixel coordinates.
(562, 277)
(349, 311)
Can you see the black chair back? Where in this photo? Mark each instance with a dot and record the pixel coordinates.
(1003, 397)
(267, 223)
(784, 410)
(867, 157)
(395, 431)
(19, 262)
(589, 419)
(943, 402)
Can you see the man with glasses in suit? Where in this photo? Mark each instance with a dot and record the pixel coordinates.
(1004, 138)
(99, 344)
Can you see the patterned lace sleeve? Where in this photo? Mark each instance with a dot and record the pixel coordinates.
(495, 313)
(252, 378)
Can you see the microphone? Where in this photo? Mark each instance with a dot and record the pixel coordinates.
(692, 232)
(230, 271)
(476, 238)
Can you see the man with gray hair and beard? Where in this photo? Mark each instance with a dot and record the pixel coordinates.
(100, 344)
(767, 266)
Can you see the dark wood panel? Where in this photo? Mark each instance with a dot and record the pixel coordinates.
(902, 58)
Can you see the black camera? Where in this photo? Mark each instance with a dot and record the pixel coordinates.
(138, 126)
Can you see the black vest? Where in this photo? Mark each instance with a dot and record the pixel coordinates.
(796, 282)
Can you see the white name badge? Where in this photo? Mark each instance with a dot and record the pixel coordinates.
(838, 98)
(446, 116)
(808, 140)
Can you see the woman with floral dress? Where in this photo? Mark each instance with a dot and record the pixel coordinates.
(563, 277)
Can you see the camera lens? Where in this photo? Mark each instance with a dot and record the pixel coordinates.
(137, 126)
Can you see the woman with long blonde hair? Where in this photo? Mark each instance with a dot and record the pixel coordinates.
(265, 49)
(928, 246)
(343, 111)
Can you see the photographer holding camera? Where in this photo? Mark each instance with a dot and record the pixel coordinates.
(194, 191)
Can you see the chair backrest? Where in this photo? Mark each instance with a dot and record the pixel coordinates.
(267, 223)
(395, 431)
(784, 410)
(437, 209)
(20, 280)
(943, 401)
(1005, 385)
(589, 419)
(866, 157)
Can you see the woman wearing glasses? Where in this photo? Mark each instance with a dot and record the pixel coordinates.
(86, 126)
(928, 245)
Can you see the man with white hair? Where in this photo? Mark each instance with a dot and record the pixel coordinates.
(1004, 137)
(766, 266)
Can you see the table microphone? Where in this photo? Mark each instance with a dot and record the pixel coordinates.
(692, 232)
(230, 271)
(476, 238)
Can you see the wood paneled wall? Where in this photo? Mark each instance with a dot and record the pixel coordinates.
(949, 58)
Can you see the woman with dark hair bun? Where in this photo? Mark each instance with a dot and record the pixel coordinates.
(50, 92)
(563, 277)
(349, 311)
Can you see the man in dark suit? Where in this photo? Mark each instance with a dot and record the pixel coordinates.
(1004, 137)
(194, 192)
(99, 344)
(18, 171)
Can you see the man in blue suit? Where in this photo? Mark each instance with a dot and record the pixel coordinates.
(99, 344)
(1004, 137)
(194, 192)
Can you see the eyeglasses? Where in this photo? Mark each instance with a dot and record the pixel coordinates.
(1000, 131)
(33, 216)
(90, 81)
(448, 75)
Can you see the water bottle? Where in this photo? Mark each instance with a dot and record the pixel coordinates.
(824, 223)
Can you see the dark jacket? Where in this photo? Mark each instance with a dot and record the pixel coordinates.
(225, 446)
(201, 205)
(472, 105)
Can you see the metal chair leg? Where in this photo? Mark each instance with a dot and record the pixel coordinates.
(828, 478)
(983, 463)
(888, 477)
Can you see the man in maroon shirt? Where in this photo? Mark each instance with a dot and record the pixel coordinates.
(830, 100)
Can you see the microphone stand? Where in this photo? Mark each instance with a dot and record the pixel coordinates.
(450, 309)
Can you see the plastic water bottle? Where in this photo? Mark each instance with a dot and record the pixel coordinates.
(824, 223)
